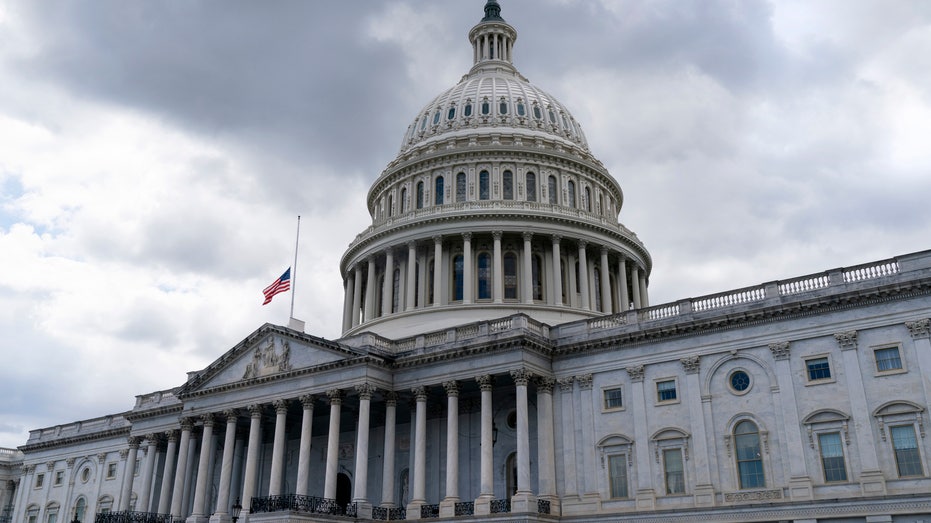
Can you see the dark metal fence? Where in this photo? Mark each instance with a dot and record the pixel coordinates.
(429, 511)
(543, 506)
(389, 514)
(499, 506)
(465, 508)
(295, 503)
(132, 517)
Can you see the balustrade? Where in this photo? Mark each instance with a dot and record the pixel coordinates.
(429, 511)
(127, 516)
(296, 503)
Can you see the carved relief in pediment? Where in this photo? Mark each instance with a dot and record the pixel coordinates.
(270, 357)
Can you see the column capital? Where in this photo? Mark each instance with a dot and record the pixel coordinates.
(691, 364)
(438, 239)
(585, 381)
(920, 329)
(604, 250)
(452, 388)
(307, 401)
(846, 340)
(70, 462)
(101, 457)
(255, 411)
(582, 244)
(365, 390)
(485, 382)
(152, 438)
(208, 419)
(335, 397)
(527, 235)
(133, 442)
(420, 393)
(521, 376)
(780, 350)
(412, 245)
(635, 372)
(281, 406)
(124, 453)
(544, 384)
(231, 414)
(391, 398)
(467, 236)
(556, 239)
(187, 424)
(171, 435)
(566, 384)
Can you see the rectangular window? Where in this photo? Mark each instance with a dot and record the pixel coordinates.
(672, 466)
(818, 369)
(111, 470)
(832, 457)
(666, 391)
(905, 444)
(40, 480)
(617, 468)
(888, 359)
(32, 517)
(59, 477)
(137, 467)
(613, 399)
(52, 517)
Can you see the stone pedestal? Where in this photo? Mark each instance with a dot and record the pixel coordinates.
(364, 510)
(523, 502)
(220, 518)
(448, 507)
(483, 505)
(872, 483)
(800, 488)
(646, 499)
(704, 496)
(572, 505)
(413, 509)
(197, 518)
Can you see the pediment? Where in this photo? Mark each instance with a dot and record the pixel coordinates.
(266, 354)
(825, 416)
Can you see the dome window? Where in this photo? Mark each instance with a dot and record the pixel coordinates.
(483, 185)
(423, 123)
(452, 112)
(531, 187)
(537, 113)
(436, 117)
(507, 185)
(521, 111)
(420, 195)
(461, 187)
(503, 106)
(467, 112)
(438, 190)
(565, 124)
(486, 107)
(552, 116)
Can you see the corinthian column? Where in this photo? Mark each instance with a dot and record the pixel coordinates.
(420, 454)
(387, 292)
(281, 417)
(497, 273)
(606, 305)
(468, 277)
(252, 456)
(360, 496)
(583, 276)
(369, 312)
(226, 467)
(556, 297)
(147, 469)
(177, 496)
(303, 460)
(206, 456)
(164, 497)
(129, 470)
(356, 295)
(387, 481)
(332, 449)
(523, 500)
(411, 299)
(448, 505)
(527, 276)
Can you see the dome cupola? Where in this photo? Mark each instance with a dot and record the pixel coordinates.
(493, 206)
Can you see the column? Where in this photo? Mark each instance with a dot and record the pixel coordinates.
(206, 455)
(556, 298)
(573, 285)
(347, 301)
(523, 500)
(332, 445)
(129, 470)
(920, 332)
(303, 459)
(252, 455)
(365, 391)
(226, 467)
(645, 496)
(468, 278)
(635, 285)
(704, 490)
(437, 271)
(497, 273)
(644, 297)
(799, 480)
(487, 483)
(527, 276)
(546, 444)
(148, 469)
(164, 498)
(278, 450)
(570, 470)
(622, 283)
(419, 497)
(356, 295)
(387, 480)
(583, 276)
(369, 312)
(448, 505)
(872, 481)
(411, 299)
(387, 292)
(606, 304)
(177, 495)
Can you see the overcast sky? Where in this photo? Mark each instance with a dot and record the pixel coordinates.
(154, 157)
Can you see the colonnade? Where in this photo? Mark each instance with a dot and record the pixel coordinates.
(179, 469)
(497, 267)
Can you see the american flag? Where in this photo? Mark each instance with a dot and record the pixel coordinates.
(280, 285)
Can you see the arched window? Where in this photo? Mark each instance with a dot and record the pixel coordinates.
(537, 113)
(396, 290)
(457, 277)
(571, 188)
(552, 116)
(536, 267)
(390, 204)
(486, 107)
(439, 190)
(597, 288)
(429, 289)
(484, 276)
(553, 190)
(510, 276)
(507, 184)
(423, 123)
(404, 199)
(588, 199)
(483, 186)
(531, 187)
(503, 106)
(80, 508)
(521, 111)
(436, 116)
(420, 195)
(467, 110)
(749, 455)
(461, 187)
(452, 112)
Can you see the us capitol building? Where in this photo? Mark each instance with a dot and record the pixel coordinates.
(501, 361)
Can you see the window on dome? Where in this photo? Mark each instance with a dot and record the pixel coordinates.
(565, 123)
(404, 199)
(439, 190)
(588, 199)
(452, 113)
(597, 288)
(483, 185)
(436, 117)
(536, 268)
(552, 116)
(457, 277)
(423, 123)
(551, 188)
(484, 276)
(461, 187)
(537, 113)
(467, 111)
(486, 107)
(531, 187)
(510, 276)
(396, 290)
(507, 183)
(521, 111)
(420, 195)
(503, 106)
(571, 187)
(390, 205)
(599, 207)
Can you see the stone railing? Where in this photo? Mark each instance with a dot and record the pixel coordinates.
(132, 517)
(305, 504)
(426, 342)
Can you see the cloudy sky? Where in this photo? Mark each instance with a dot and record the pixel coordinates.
(154, 157)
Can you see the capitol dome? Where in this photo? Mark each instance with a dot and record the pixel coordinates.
(494, 206)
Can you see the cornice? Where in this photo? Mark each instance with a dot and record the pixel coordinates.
(73, 440)
(153, 413)
(523, 341)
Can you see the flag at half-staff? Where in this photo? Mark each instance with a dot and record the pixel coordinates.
(282, 284)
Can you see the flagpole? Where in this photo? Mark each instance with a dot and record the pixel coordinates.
(294, 271)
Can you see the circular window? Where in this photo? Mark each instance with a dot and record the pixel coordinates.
(512, 420)
(85, 475)
(739, 381)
